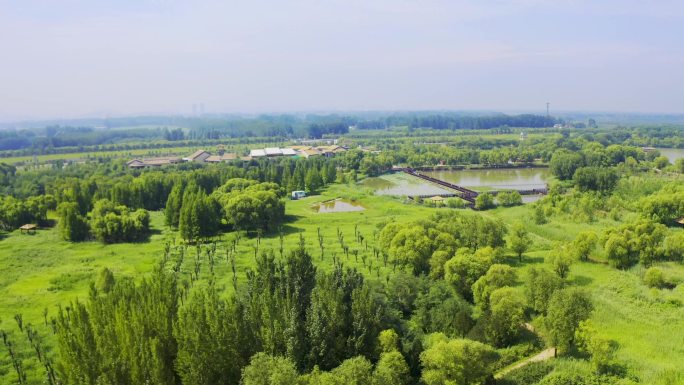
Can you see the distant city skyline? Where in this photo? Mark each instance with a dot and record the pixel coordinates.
(78, 58)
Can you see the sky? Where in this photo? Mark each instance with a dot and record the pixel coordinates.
(98, 58)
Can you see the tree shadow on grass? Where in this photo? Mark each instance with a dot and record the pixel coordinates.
(530, 337)
(147, 237)
(582, 280)
(50, 223)
(3, 235)
(531, 260)
(290, 218)
(287, 230)
(526, 260)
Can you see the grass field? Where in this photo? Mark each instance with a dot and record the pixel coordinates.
(42, 271)
(133, 153)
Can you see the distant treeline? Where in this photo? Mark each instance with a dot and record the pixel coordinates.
(126, 130)
(453, 122)
(169, 131)
(44, 139)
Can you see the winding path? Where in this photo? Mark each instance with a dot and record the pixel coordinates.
(542, 356)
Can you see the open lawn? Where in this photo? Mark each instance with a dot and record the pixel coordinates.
(41, 271)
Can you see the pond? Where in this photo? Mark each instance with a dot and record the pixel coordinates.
(481, 180)
(496, 179)
(672, 154)
(401, 184)
(337, 206)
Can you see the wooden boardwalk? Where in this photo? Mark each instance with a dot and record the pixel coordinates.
(465, 193)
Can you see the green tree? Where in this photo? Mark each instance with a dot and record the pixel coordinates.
(105, 280)
(354, 371)
(464, 269)
(437, 261)
(496, 277)
(267, 370)
(113, 223)
(584, 244)
(388, 341)
(208, 334)
(639, 241)
(484, 201)
(505, 316)
(313, 180)
(562, 259)
(673, 247)
(539, 288)
(509, 198)
(174, 203)
(564, 163)
(391, 369)
(199, 216)
(601, 179)
(410, 245)
(601, 350)
(653, 277)
(539, 216)
(457, 361)
(567, 308)
(679, 165)
(132, 324)
(440, 309)
(519, 239)
(73, 226)
(664, 207)
(661, 162)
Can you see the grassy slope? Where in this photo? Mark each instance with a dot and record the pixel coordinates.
(42, 271)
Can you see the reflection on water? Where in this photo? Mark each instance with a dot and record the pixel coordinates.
(512, 179)
(401, 184)
(531, 198)
(672, 154)
(498, 179)
(337, 206)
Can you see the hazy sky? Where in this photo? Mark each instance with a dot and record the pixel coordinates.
(71, 58)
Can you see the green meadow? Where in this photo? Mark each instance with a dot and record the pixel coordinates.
(42, 271)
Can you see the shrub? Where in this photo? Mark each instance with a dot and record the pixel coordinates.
(509, 198)
(484, 201)
(654, 278)
(455, 203)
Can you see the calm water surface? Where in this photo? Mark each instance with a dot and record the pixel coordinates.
(402, 184)
(517, 178)
(337, 206)
(672, 154)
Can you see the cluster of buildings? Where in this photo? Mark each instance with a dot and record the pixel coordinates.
(202, 156)
(300, 151)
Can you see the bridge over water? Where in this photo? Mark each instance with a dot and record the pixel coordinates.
(463, 192)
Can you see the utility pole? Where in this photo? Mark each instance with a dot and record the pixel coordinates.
(547, 110)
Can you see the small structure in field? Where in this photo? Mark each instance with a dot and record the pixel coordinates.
(680, 221)
(29, 228)
(437, 200)
(298, 194)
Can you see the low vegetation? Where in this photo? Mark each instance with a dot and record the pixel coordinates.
(208, 274)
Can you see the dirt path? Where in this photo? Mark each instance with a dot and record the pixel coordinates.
(542, 356)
